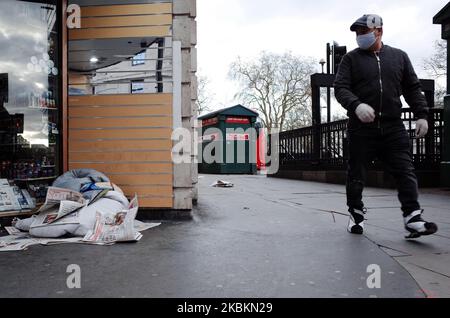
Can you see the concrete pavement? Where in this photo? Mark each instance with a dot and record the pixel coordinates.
(263, 238)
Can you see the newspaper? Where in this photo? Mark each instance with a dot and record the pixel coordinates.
(97, 186)
(222, 184)
(24, 240)
(97, 190)
(60, 204)
(55, 217)
(8, 199)
(134, 203)
(15, 242)
(114, 227)
(25, 200)
(142, 227)
(12, 198)
(109, 228)
(19, 241)
(97, 195)
(12, 230)
(56, 195)
(50, 242)
(118, 227)
(66, 208)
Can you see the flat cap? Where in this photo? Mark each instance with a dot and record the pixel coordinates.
(368, 21)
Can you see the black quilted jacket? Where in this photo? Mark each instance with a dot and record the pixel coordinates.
(379, 81)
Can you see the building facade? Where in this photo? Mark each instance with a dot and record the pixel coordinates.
(106, 95)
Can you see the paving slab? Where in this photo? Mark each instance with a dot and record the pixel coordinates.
(434, 285)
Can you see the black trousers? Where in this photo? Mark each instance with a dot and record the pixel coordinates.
(390, 144)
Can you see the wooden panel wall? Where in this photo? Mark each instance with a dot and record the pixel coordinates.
(127, 137)
(124, 21)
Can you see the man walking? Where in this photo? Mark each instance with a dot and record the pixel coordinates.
(369, 84)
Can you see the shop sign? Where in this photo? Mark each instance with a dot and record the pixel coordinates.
(210, 122)
(238, 120)
(238, 137)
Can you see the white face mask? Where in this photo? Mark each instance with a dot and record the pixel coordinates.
(366, 41)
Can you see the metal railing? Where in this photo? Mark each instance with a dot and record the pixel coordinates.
(298, 149)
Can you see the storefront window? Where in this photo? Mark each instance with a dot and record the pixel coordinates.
(30, 103)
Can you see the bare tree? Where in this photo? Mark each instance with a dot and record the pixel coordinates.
(436, 66)
(278, 86)
(339, 116)
(204, 95)
(298, 118)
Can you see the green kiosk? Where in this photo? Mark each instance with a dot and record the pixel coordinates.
(228, 141)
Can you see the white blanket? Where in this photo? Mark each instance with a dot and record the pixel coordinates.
(76, 224)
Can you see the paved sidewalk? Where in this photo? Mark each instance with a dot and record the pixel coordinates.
(263, 238)
(426, 259)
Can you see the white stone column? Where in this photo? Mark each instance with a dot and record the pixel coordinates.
(185, 31)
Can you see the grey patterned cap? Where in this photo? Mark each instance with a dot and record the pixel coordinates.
(368, 21)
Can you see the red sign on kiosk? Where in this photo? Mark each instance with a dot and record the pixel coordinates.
(210, 122)
(237, 120)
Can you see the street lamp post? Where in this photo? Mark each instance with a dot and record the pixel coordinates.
(322, 62)
(443, 18)
(329, 71)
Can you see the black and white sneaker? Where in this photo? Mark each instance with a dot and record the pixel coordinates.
(356, 222)
(417, 226)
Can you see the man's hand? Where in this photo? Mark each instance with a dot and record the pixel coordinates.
(421, 128)
(365, 113)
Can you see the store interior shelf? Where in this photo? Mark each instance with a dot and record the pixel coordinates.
(37, 179)
(27, 212)
(17, 213)
(45, 108)
(15, 144)
(27, 145)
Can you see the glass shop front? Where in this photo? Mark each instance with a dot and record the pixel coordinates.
(30, 102)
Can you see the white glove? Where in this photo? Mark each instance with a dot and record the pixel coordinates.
(365, 113)
(421, 128)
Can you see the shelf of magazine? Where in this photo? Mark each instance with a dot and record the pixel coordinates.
(15, 201)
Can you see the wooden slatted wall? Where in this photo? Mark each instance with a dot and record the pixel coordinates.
(128, 137)
(124, 21)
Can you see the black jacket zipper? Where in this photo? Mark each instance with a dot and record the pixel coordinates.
(381, 89)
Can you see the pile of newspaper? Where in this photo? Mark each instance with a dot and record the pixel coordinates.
(19, 241)
(222, 184)
(62, 207)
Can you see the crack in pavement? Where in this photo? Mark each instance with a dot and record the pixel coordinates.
(296, 205)
(428, 269)
(393, 249)
(382, 248)
(391, 230)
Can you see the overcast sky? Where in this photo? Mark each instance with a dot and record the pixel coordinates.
(231, 28)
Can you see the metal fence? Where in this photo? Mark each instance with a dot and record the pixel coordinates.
(324, 147)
